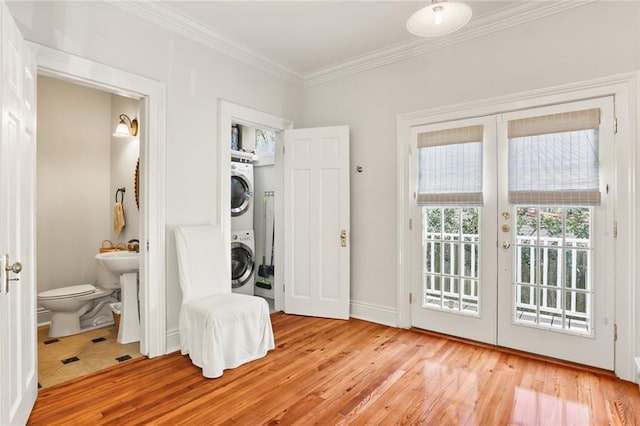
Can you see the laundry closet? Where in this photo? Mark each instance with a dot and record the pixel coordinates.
(252, 210)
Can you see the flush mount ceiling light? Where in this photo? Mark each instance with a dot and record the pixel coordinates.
(126, 127)
(439, 18)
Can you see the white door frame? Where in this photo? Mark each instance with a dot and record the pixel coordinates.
(229, 112)
(152, 94)
(625, 89)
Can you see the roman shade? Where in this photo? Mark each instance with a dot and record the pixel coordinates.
(450, 166)
(553, 159)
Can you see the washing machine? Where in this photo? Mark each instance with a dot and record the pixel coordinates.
(241, 196)
(243, 262)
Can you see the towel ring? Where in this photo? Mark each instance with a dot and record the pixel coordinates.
(120, 191)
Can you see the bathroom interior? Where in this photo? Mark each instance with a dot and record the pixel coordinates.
(83, 171)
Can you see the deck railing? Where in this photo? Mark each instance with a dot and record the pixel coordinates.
(559, 274)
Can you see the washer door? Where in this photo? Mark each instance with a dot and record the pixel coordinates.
(242, 264)
(241, 193)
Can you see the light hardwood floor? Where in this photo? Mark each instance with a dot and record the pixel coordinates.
(346, 372)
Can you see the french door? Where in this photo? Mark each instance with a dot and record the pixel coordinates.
(454, 252)
(525, 265)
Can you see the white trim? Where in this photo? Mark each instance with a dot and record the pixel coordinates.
(169, 18)
(44, 317)
(625, 89)
(374, 313)
(504, 18)
(173, 341)
(229, 112)
(152, 139)
(403, 215)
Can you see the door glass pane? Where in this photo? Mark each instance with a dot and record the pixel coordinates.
(451, 259)
(552, 280)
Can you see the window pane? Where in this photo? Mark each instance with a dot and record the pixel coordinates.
(451, 259)
(265, 141)
(558, 168)
(450, 174)
(553, 261)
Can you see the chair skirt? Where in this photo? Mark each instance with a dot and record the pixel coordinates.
(224, 331)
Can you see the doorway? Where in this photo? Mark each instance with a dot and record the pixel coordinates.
(234, 114)
(152, 95)
(512, 244)
(317, 227)
(80, 168)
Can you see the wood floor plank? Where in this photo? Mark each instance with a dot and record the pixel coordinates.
(346, 372)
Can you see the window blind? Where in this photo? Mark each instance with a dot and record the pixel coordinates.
(450, 166)
(553, 159)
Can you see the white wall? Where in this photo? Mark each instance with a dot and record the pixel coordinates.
(196, 78)
(124, 155)
(599, 39)
(73, 170)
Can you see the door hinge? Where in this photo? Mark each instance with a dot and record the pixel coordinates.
(615, 125)
(147, 245)
(615, 332)
(410, 223)
(282, 149)
(410, 298)
(615, 229)
(607, 188)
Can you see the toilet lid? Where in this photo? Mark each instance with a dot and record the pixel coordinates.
(74, 290)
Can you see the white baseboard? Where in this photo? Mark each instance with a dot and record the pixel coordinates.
(173, 341)
(44, 317)
(374, 313)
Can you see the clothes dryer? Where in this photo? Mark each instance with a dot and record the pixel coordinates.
(243, 262)
(241, 196)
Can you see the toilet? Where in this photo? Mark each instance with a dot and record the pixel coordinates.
(77, 308)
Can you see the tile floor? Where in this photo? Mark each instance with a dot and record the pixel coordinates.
(65, 358)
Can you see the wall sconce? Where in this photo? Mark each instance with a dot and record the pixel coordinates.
(126, 127)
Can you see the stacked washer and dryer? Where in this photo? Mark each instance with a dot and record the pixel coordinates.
(243, 262)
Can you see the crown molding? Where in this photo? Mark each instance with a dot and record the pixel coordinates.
(502, 19)
(507, 17)
(169, 18)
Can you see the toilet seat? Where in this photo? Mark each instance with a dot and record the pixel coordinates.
(67, 292)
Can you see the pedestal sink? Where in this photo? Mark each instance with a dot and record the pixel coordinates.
(126, 264)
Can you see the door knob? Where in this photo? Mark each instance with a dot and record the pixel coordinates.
(506, 244)
(15, 268)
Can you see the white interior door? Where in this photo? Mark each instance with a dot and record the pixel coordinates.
(316, 220)
(18, 354)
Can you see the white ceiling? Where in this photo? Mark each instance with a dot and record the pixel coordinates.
(308, 42)
(310, 35)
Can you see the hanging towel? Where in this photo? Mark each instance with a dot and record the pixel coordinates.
(118, 218)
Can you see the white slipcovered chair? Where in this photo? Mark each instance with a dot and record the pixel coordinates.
(218, 329)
